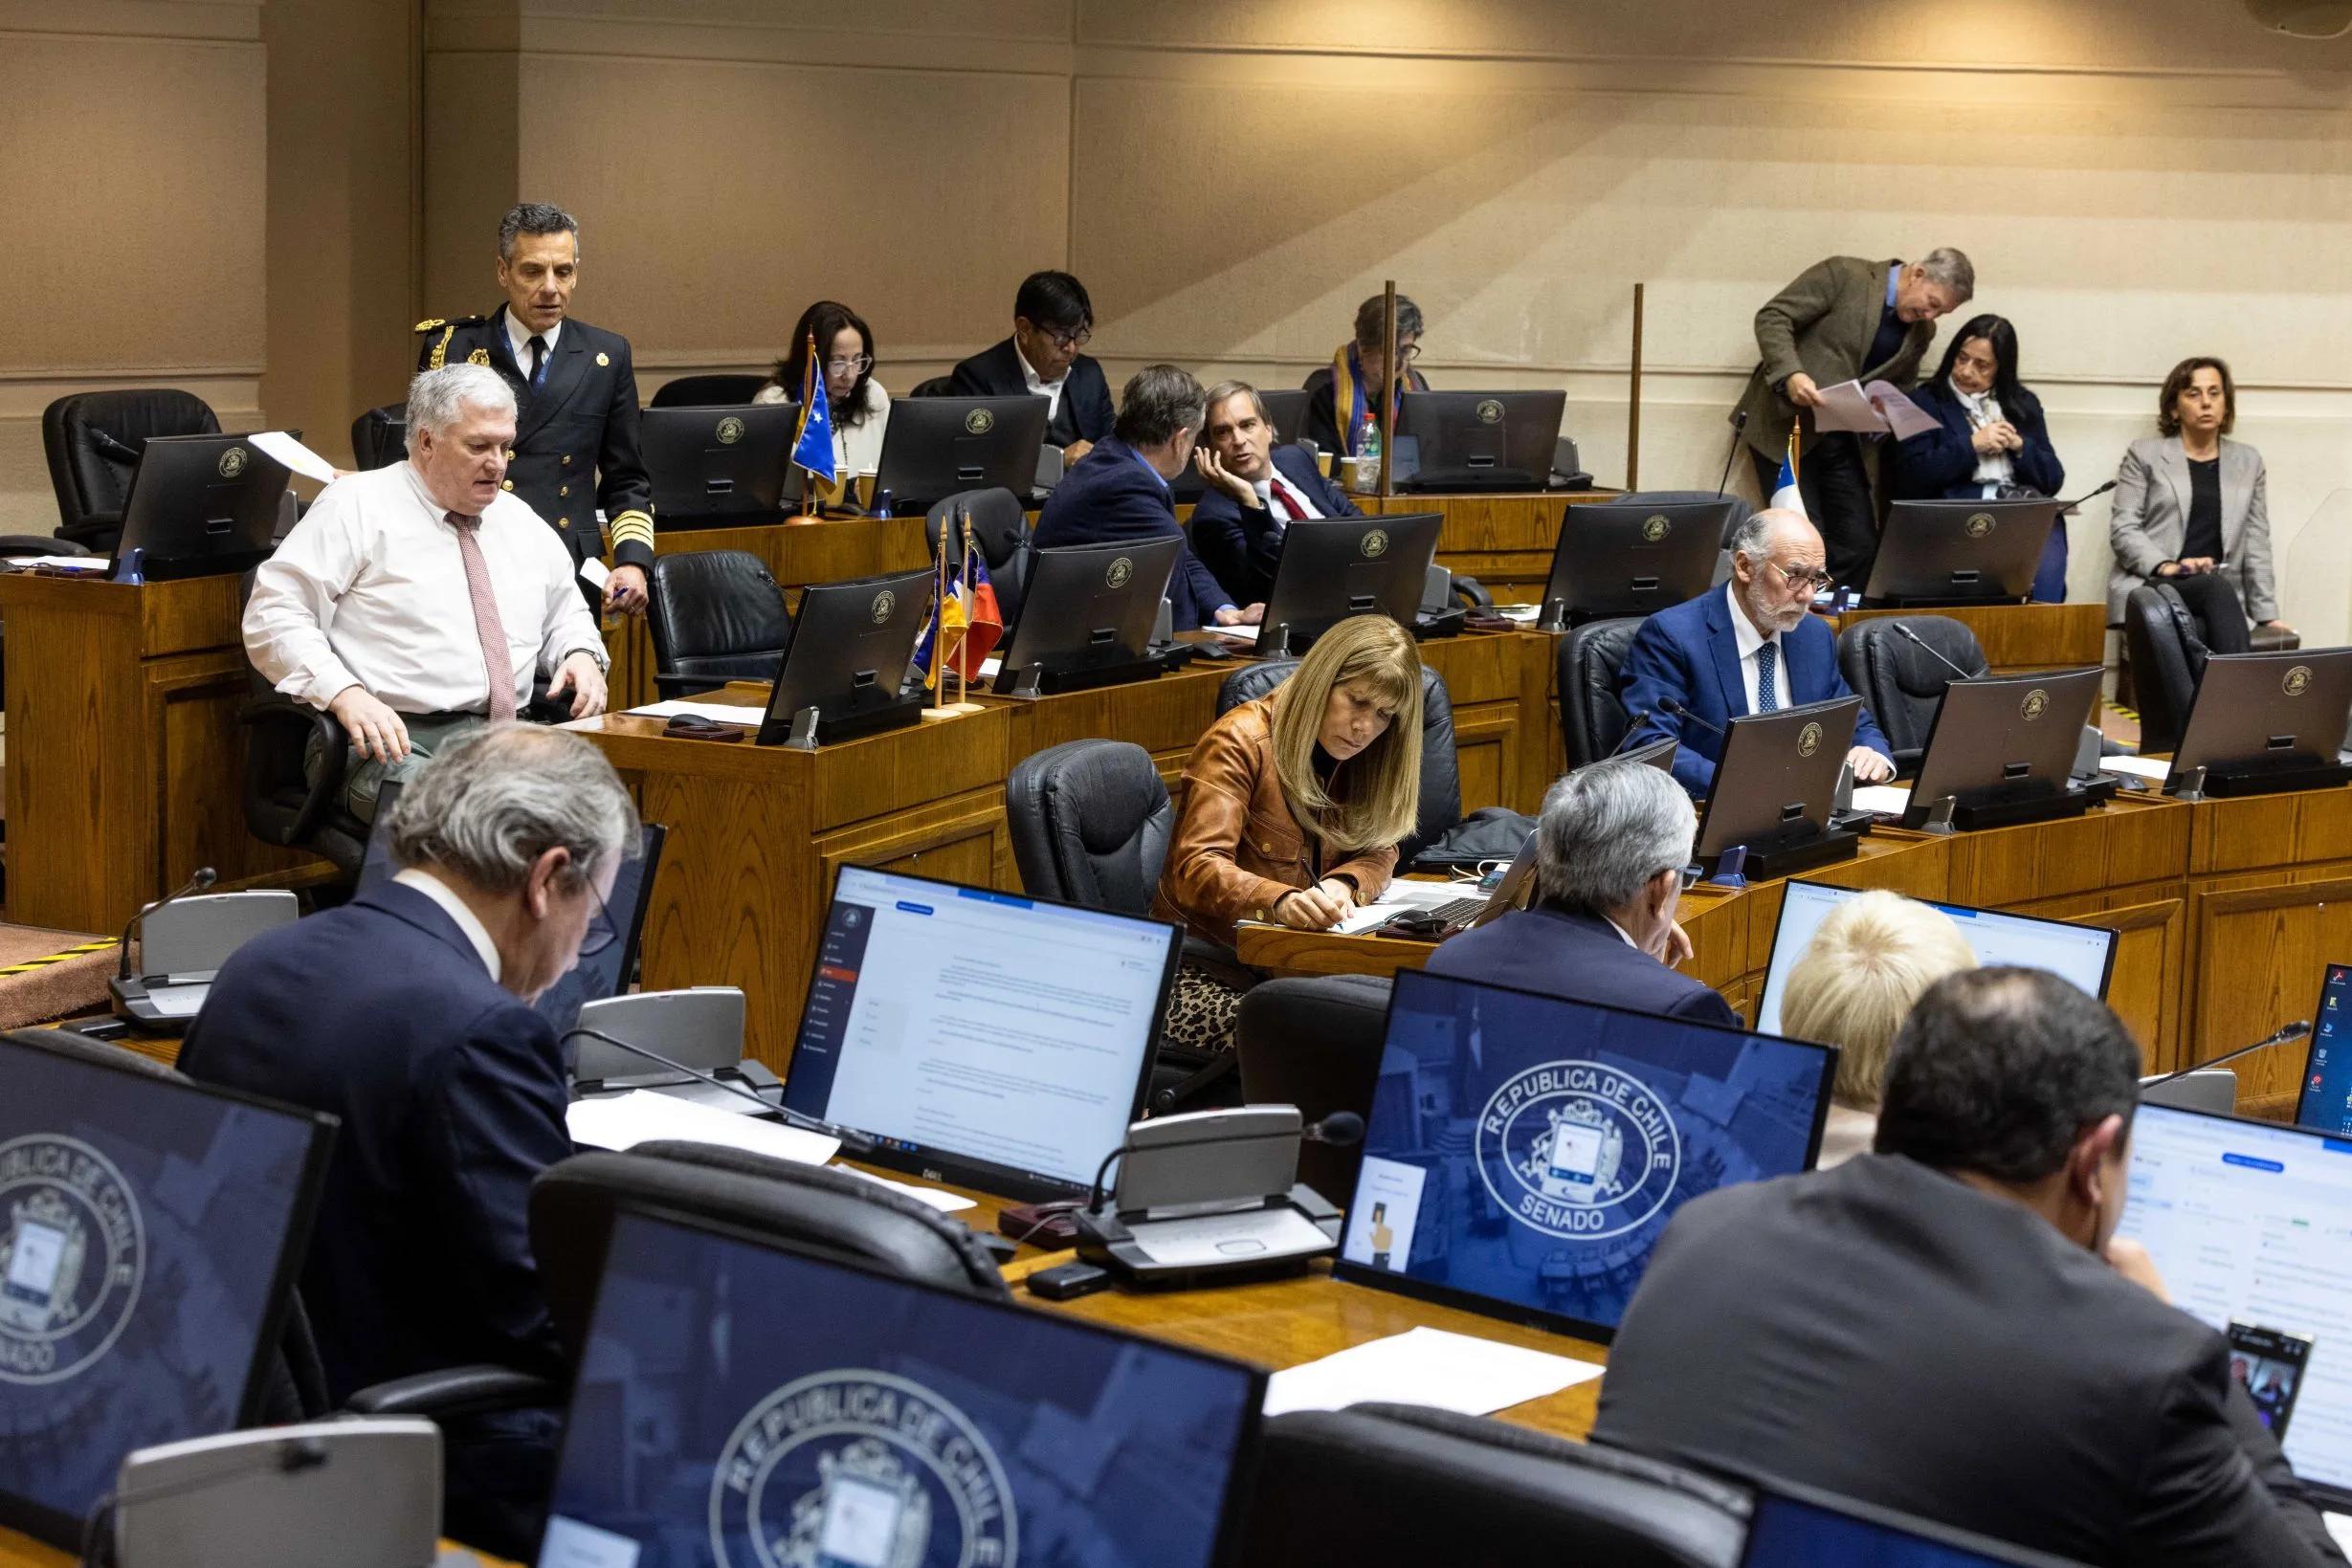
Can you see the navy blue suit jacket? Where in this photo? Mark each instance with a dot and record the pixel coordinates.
(1240, 545)
(1085, 413)
(452, 1094)
(1688, 653)
(1938, 465)
(1111, 495)
(1577, 956)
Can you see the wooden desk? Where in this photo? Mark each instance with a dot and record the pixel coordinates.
(24, 1552)
(2019, 637)
(125, 761)
(1503, 540)
(757, 832)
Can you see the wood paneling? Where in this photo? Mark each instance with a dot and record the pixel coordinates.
(2259, 956)
(2019, 636)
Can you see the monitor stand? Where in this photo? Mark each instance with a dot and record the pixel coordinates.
(1798, 848)
(1942, 601)
(1044, 679)
(811, 729)
(1973, 809)
(2262, 775)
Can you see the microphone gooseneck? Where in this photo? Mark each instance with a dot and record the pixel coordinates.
(1668, 705)
(1936, 653)
(205, 876)
(852, 1139)
(2277, 1037)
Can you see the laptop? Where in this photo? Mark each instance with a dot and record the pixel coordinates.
(2083, 955)
(891, 1424)
(2266, 720)
(1614, 559)
(2325, 1104)
(983, 1039)
(1965, 552)
(598, 975)
(151, 1230)
(1799, 1527)
(2250, 1226)
(1524, 1154)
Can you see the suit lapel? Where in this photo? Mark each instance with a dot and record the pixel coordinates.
(1727, 650)
(563, 378)
(2236, 497)
(2175, 464)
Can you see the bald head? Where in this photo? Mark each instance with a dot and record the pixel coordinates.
(1776, 565)
(1766, 530)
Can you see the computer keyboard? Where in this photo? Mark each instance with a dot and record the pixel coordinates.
(1457, 911)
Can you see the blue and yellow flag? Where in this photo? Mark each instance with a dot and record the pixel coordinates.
(812, 449)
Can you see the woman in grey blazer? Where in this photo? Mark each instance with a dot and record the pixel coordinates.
(2191, 508)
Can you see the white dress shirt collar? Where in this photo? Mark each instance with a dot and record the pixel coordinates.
(1049, 390)
(454, 907)
(1294, 500)
(518, 339)
(1621, 935)
(1748, 640)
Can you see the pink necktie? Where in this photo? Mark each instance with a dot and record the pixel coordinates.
(497, 661)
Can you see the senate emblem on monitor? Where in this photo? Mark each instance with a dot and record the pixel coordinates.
(1809, 739)
(1374, 543)
(1578, 1150)
(1977, 526)
(233, 462)
(859, 1467)
(730, 430)
(73, 1254)
(1489, 411)
(1120, 570)
(1654, 528)
(980, 422)
(2037, 704)
(884, 602)
(2297, 681)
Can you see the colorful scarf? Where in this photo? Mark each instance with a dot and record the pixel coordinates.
(1347, 394)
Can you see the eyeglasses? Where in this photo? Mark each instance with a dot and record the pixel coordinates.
(600, 933)
(1404, 355)
(857, 367)
(1805, 578)
(1070, 340)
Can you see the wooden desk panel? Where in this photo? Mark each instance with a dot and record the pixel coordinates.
(1503, 540)
(1165, 717)
(2260, 954)
(2019, 636)
(126, 760)
(2111, 850)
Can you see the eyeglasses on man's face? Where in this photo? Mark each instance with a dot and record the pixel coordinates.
(1805, 579)
(601, 933)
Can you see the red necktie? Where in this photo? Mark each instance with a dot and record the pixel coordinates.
(1285, 502)
(498, 659)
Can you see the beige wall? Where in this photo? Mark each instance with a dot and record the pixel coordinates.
(133, 184)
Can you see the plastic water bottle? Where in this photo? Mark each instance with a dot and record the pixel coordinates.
(1367, 456)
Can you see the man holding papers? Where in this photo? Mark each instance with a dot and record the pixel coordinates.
(1843, 320)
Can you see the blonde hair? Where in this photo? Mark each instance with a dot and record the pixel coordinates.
(1855, 983)
(1384, 795)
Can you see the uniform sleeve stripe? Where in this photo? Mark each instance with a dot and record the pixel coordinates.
(632, 525)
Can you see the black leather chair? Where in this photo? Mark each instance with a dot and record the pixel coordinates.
(93, 439)
(1901, 682)
(706, 391)
(1314, 1041)
(934, 387)
(715, 616)
(1001, 530)
(283, 804)
(1376, 1484)
(2167, 644)
(379, 436)
(1091, 823)
(1592, 722)
(1441, 773)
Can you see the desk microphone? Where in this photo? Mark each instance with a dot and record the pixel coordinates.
(1668, 705)
(1632, 727)
(856, 1142)
(2095, 495)
(1340, 1130)
(1738, 423)
(203, 878)
(2277, 1037)
(1938, 654)
(291, 1456)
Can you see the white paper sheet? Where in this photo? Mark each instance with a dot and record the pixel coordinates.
(593, 572)
(1891, 798)
(990, 666)
(1878, 408)
(95, 564)
(1426, 1366)
(1368, 915)
(1518, 613)
(283, 448)
(2339, 1526)
(1426, 895)
(725, 713)
(2137, 767)
(947, 1202)
(624, 1121)
(1239, 634)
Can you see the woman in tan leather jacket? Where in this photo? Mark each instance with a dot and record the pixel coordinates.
(1293, 806)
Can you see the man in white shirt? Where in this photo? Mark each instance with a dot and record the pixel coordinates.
(1255, 491)
(1053, 321)
(417, 601)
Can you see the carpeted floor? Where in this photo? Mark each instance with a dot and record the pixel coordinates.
(47, 974)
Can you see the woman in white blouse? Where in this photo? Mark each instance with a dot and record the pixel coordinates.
(859, 406)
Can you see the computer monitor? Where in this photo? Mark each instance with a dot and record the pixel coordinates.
(1533, 1149)
(1797, 1527)
(150, 1229)
(889, 1424)
(2004, 743)
(1777, 777)
(987, 1039)
(2266, 720)
(844, 669)
(1475, 441)
(1617, 560)
(1286, 411)
(597, 975)
(1086, 616)
(2245, 1222)
(717, 466)
(2083, 956)
(2325, 1103)
(1975, 552)
(937, 446)
(200, 506)
(1334, 568)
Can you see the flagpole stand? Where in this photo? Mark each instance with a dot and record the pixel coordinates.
(811, 508)
(955, 710)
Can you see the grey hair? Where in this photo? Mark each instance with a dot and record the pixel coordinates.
(1157, 401)
(1752, 541)
(1370, 319)
(496, 799)
(1953, 270)
(437, 397)
(1606, 829)
(1233, 388)
(535, 218)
